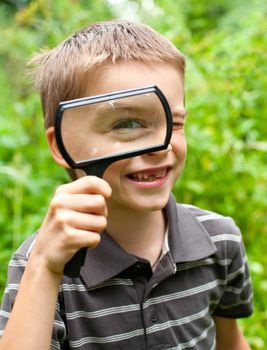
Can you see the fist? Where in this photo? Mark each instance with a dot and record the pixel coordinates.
(76, 216)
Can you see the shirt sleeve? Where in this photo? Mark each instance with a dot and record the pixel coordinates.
(236, 301)
(15, 271)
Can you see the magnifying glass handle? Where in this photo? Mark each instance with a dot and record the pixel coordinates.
(72, 268)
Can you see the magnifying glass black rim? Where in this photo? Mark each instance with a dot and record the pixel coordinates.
(104, 161)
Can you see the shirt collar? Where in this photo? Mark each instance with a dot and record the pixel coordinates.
(188, 241)
(105, 261)
(188, 238)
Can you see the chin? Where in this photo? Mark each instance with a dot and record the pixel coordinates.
(148, 203)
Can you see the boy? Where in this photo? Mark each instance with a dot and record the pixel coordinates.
(161, 275)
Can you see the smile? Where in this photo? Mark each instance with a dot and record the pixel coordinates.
(149, 175)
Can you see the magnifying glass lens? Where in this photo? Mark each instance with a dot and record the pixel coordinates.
(105, 129)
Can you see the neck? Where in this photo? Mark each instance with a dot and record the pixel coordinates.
(138, 233)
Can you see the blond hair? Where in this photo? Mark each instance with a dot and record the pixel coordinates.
(59, 74)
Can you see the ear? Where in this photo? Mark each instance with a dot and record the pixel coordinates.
(52, 143)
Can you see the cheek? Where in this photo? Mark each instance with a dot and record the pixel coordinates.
(113, 172)
(179, 146)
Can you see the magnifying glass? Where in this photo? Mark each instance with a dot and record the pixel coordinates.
(93, 132)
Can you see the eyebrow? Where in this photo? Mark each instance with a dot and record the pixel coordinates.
(101, 113)
(125, 106)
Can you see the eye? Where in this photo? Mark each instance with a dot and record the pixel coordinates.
(127, 124)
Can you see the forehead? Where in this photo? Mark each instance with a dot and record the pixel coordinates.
(133, 74)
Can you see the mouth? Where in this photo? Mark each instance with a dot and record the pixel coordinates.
(149, 175)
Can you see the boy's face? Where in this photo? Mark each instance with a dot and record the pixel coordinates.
(144, 182)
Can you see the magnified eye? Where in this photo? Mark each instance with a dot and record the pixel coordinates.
(127, 124)
(129, 129)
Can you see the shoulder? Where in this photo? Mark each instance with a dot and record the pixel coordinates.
(222, 230)
(25, 248)
(215, 223)
(17, 266)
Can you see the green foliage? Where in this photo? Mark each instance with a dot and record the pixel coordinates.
(225, 44)
(28, 176)
(225, 98)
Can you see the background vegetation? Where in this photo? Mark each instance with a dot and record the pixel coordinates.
(225, 43)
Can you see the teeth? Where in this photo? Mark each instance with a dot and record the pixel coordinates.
(151, 178)
(148, 177)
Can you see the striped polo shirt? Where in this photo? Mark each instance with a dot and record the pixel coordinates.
(119, 302)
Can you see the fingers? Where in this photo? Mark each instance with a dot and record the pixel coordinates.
(85, 203)
(82, 221)
(86, 184)
(76, 217)
(86, 195)
(75, 239)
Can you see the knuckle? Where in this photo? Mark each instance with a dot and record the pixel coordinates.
(61, 217)
(99, 201)
(102, 222)
(59, 201)
(68, 236)
(60, 189)
(56, 203)
(94, 240)
(90, 181)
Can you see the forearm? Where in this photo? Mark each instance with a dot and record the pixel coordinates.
(241, 344)
(76, 216)
(229, 335)
(31, 320)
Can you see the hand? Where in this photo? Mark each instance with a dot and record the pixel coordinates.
(76, 216)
